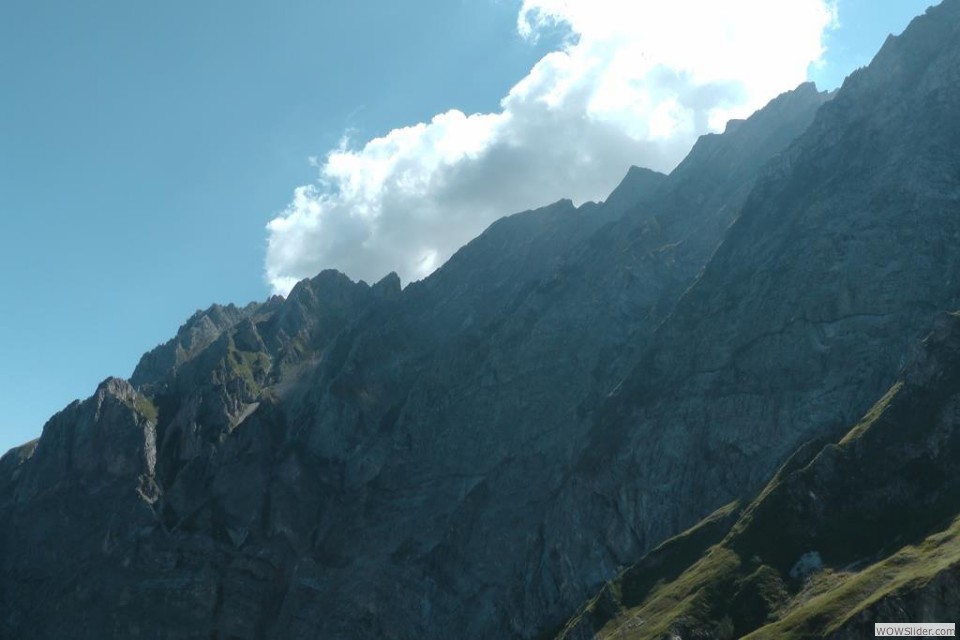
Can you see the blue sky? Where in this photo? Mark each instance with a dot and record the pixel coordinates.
(144, 147)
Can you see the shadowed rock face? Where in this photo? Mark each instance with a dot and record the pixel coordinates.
(358, 457)
(446, 460)
(849, 533)
(844, 251)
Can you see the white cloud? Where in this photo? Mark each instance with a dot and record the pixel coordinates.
(635, 83)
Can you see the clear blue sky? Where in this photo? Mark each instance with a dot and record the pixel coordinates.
(144, 146)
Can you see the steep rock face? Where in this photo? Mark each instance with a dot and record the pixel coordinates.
(201, 329)
(113, 524)
(99, 454)
(356, 461)
(456, 417)
(844, 251)
(204, 400)
(860, 531)
(439, 462)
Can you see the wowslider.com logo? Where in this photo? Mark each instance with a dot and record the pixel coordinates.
(915, 630)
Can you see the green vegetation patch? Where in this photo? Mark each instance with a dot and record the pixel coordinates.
(611, 608)
(832, 500)
(251, 367)
(910, 568)
(145, 407)
(873, 415)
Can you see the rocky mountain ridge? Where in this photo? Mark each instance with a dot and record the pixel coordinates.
(338, 402)
(475, 454)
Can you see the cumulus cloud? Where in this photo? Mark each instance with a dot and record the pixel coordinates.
(634, 83)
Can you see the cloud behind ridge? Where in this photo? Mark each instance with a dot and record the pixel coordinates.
(634, 83)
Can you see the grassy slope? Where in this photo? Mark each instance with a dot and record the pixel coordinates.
(879, 508)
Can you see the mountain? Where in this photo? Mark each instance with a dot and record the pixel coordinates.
(860, 530)
(842, 255)
(476, 454)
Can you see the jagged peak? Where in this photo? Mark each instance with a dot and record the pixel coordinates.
(332, 276)
(792, 110)
(389, 285)
(562, 204)
(733, 124)
(214, 313)
(328, 279)
(115, 386)
(903, 59)
(201, 329)
(636, 184)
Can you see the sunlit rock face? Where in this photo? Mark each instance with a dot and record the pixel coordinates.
(472, 455)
